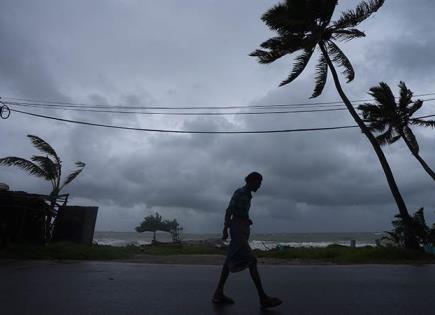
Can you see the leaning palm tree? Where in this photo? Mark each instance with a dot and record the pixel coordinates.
(48, 167)
(392, 120)
(304, 26)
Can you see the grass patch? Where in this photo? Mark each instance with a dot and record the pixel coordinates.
(73, 251)
(344, 254)
(331, 254)
(68, 251)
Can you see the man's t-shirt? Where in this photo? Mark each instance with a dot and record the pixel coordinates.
(240, 203)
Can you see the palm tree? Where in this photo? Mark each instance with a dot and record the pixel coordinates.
(303, 26)
(48, 167)
(392, 120)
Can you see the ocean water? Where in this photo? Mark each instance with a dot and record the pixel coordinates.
(257, 241)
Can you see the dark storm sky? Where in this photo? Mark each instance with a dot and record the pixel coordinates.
(195, 53)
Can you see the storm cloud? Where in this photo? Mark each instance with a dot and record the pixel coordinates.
(195, 53)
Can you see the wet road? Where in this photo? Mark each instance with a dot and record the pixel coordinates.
(132, 288)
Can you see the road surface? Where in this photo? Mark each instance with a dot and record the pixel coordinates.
(47, 287)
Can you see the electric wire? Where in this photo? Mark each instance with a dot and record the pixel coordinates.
(192, 131)
(181, 114)
(302, 105)
(71, 104)
(181, 131)
(331, 108)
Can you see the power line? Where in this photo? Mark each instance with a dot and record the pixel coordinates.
(178, 113)
(182, 131)
(331, 108)
(70, 104)
(192, 131)
(96, 106)
(175, 108)
(427, 116)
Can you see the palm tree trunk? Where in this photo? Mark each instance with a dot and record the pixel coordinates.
(49, 217)
(410, 240)
(419, 158)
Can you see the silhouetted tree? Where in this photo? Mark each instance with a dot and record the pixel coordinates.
(48, 167)
(425, 235)
(392, 120)
(154, 223)
(303, 26)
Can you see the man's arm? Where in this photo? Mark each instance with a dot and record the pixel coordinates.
(226, 224)
(227, 218)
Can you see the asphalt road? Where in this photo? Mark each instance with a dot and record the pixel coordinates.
(132, 288)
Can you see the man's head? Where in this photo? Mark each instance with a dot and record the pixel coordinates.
(253, 181)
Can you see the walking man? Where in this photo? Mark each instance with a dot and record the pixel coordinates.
(240, 256)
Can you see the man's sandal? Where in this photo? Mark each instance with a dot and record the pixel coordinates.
(270, 302)
(222, 299)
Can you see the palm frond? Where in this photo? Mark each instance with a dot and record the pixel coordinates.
(295, 16)
(384, 96)
(24, 164)
(324, 11)
(290, 43)
(321, 76)
(46, 164)
(405, 96)
(377, 125)
(373, 116)
(340, 59)
(285, 17)
(266, 57)
(383, 138)
(276, 48)
(414, 107)
(74, 174)
(388, 137)
(42, 145)
(411, 140)
(352, 18)
(80, 164)
(347, 35)
(422, 123)
(299, 65)
(369, 111)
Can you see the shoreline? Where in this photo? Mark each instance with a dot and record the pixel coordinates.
(260, 241)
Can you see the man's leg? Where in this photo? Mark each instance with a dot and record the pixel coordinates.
(257, 281)
(219, 296)
(265, 300)
(223, 278)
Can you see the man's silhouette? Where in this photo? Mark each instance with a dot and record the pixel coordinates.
(240, 256)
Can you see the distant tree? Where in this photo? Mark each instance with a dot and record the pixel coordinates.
(392, 120)
(425, 234)
(175, 230)
(304, 26)
(154, 223)
(48, 167)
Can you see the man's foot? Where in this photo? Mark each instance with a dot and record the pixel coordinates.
(222, 299)
(269, 302)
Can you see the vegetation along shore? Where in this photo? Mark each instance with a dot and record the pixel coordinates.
(203, 253)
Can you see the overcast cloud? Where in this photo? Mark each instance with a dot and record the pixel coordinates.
(195, 53)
